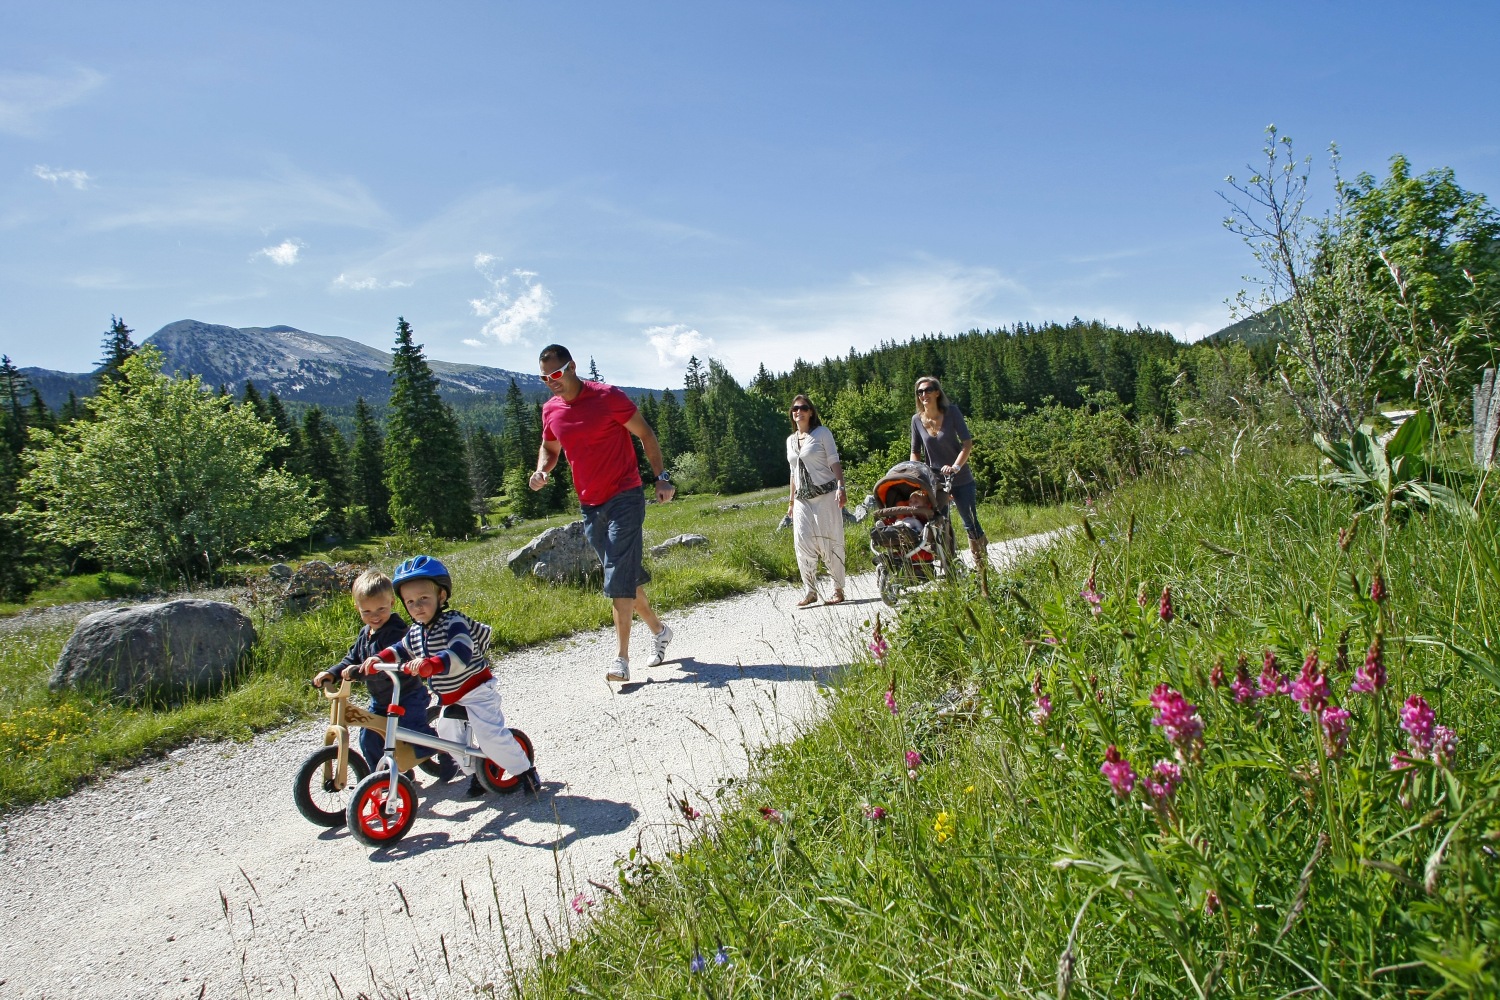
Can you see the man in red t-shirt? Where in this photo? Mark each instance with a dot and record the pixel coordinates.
(592, 422)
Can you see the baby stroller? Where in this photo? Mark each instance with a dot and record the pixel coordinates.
(911, 543)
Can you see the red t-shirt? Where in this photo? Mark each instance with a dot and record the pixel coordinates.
(592, 431)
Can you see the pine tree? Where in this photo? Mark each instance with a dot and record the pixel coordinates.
(594, 375)
(12, 386)
(322, 462)
(37, 414)
(284, 454)
(71, 410)
(367, 486)
(517, 447)
(424, 449)
(117, 346)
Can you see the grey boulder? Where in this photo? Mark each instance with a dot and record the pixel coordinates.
(678, 541)
(180, 647)
(557, 555)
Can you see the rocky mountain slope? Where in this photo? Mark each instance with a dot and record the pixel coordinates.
(298, 366)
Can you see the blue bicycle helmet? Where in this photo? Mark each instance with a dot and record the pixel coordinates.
(422, 568)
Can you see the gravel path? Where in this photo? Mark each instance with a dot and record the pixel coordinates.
(195, 876)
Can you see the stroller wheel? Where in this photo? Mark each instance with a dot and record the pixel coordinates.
(890, 592)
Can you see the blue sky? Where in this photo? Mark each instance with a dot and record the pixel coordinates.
(754, 182)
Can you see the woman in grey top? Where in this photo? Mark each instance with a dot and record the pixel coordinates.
(941, 438)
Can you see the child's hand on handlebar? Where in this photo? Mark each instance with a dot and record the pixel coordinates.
(322, 679)
(371, 665)
(421, 668)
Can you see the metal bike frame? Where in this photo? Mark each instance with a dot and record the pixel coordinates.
(394, 732)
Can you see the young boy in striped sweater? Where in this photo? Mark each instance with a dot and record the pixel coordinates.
(441, 646)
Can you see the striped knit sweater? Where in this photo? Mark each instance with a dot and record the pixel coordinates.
(450, 652)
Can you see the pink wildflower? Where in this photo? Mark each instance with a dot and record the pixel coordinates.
(1370, 677)
(1216, 675)
(1417, 718)
(1400, 761)
(1093, 597)
(1241, 688)
(1311, 688)
(1335, 730)
(581, 902)
(1177, 718)
(1271, 682)
(1119, 772)
(1165, 777)
(1211, 903)
(1036, 684)
(771, 815)
(913, 760)
(878, 646)
(1377, 589)
(890, 701)
(1143, 596)
(1043, 711)
(1051, 639)
(1444, 744)
(875, 813)
(1164, 608)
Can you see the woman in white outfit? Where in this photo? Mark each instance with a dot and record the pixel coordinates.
(817, 500)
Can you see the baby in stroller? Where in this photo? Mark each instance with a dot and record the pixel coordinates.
(900, 530)
(912, 539)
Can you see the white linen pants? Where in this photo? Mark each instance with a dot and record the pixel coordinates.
(818, 532)
(487, 723)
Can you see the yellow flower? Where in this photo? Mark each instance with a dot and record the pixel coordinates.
(943, 826)
(969, 790)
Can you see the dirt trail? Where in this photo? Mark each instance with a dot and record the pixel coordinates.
(196, 876)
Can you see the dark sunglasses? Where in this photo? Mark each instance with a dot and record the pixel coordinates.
(800, 408)
(557, 375)
(926, 389)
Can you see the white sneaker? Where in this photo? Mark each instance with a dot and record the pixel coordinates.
(659, 652)
(620, 671)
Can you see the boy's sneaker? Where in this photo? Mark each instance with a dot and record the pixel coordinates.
(447, 768)
(531, 783)
(475, 788)
(620, 671)
(659, 651)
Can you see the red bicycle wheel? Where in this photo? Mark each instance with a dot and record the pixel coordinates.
(368, 819)
(496, 778)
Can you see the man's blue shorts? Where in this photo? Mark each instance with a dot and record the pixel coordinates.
(614, 529)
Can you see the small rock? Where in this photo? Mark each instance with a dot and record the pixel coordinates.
(684, 541)
(280, 571)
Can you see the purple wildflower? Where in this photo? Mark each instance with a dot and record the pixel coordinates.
(1216, 675)
(771, 815)
(1164, 608)
(1241, 688)
(721, 957)
(1164, 779)
(875, 813)
(913, 760)
(1311, 688)
(890, 701)
(1370, 677)
(1271, 682)
(1043, 711)
(1401, 761)
(1211, 903)
(1119, 772)
(699, 963)
(1418, 718)
(1335, 730)
(1444, 744)
(1377, 588)
(1177, 718)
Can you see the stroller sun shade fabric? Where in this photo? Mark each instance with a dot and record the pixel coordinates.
(897, 485)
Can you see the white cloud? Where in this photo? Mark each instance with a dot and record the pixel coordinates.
(366, 283)
(286, 200)
(26, 97)
(283, 254)
(676, 343)
(510, 314)
(77, 178)
(471, 342)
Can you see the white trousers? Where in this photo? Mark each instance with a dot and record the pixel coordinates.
(818, 533)
(487, 724)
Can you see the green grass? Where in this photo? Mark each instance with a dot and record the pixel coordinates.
(73, 589)
(1004, 865)
(51, 742)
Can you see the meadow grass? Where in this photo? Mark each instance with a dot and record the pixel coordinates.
(949, 829)
(50, 742)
